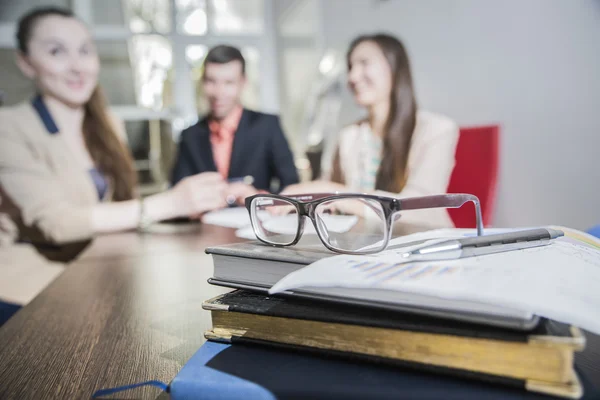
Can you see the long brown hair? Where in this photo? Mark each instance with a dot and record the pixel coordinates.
(401, 120)
(107, 151)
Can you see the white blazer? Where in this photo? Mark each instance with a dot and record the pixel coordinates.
(431, 161)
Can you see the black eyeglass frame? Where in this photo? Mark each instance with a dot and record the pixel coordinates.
(306, 205)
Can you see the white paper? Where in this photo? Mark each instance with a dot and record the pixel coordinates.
(237, 217)
(286, 224)
(246, 233)
(234, 217)
(560, 281)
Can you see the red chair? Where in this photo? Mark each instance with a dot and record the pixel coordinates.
(475, 172)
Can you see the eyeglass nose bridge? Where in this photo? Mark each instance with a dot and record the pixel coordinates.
(306, 209)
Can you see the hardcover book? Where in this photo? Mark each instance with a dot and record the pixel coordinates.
(540, 360)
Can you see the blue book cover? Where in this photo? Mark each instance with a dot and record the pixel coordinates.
(223, 371)
(197, 380)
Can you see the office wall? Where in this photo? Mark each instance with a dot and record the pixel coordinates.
(532, 66)
(11, 10)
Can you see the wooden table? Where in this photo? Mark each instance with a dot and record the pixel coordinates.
(128, 310)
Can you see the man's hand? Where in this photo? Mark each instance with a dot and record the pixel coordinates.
(200, 193)
(237, 192)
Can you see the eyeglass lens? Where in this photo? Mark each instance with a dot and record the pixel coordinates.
(275, 221)
(350, 224)
(347, 224)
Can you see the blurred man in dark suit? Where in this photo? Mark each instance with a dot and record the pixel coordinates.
(232, 140)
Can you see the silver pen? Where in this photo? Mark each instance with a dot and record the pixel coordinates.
(486, 244)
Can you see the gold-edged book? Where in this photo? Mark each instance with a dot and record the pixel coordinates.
(540, 360)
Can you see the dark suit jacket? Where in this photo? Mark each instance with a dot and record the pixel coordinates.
(260, 149)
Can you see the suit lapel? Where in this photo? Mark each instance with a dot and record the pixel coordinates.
(203, 156)
(240, 141)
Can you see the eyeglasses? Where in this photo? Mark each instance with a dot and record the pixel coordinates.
(349, 223)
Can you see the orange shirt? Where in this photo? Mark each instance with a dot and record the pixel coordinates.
(221, 139)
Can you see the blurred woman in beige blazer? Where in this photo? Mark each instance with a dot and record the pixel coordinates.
(398, 150)
(65, 172)
(23, 271)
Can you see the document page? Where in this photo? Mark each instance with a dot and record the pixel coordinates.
(559, 281)
(234, 217)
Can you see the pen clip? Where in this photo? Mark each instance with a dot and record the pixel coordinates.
(500, 248)
(519, 236)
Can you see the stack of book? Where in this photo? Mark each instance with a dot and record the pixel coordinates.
(507, 349)
(540, 360)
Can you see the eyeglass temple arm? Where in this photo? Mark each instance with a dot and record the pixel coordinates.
(444, 201)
